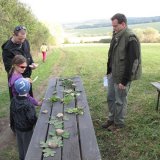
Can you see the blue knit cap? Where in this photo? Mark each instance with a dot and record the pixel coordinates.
(22, 86)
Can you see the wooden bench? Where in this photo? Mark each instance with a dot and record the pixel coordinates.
(157, 86)
(82, 143)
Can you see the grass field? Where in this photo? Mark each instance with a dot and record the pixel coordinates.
(140, 139)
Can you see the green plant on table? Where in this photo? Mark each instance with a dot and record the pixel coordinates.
(71, 92)
(77, 110)
(65, 134)
(67, 99)
(68, 83)
(47, 152)
(56, 122)
(55, 99)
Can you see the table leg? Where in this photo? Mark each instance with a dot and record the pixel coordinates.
(158, 100)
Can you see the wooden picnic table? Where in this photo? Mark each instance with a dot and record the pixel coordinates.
(157, 86)
(82, 143)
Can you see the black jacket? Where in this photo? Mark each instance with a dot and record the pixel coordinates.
(22, 114)
(10, 49)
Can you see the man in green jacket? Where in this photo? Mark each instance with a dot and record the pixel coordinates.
(124, 66)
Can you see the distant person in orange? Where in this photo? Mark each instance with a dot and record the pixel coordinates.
(44, 50)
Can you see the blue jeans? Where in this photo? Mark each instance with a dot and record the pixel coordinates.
(117, 102)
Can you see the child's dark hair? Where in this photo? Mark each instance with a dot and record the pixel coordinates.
(17, 60)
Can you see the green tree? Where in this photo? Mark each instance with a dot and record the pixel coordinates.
(147, 35)
(13, 13)
(150, 35)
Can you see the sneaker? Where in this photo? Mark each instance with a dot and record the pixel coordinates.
(107, 124)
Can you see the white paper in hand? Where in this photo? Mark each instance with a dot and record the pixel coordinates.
(35, 79)
(105, 81)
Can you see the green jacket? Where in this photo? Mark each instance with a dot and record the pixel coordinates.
(123, 62)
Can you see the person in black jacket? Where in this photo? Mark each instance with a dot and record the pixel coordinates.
(22, 116)
(18, 44)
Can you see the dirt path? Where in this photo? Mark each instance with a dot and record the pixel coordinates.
(7, 138)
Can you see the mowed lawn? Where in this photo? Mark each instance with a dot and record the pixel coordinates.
(140, 140)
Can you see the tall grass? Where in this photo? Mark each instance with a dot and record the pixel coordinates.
(141, 136)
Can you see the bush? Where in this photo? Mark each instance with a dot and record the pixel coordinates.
(105, 40)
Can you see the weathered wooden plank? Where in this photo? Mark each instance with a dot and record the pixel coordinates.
(71, 148)
(34, 151)
(82, 144)
(57, 108)
(156, 85)
(88, 141)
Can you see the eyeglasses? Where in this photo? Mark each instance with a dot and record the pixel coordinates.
(23, 67)
(18, 28)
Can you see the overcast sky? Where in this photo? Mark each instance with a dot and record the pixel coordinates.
(78, 10)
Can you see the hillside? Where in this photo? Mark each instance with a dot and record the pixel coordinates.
(102, 31)
(107, 23)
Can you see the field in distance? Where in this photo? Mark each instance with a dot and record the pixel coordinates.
(103, 31)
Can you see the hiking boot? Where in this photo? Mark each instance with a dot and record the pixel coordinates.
(115, 128)
(119, 125)
(107, 124)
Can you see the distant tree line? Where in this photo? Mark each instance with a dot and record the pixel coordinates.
(13, 13)
(145, 35)
(107, 23)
